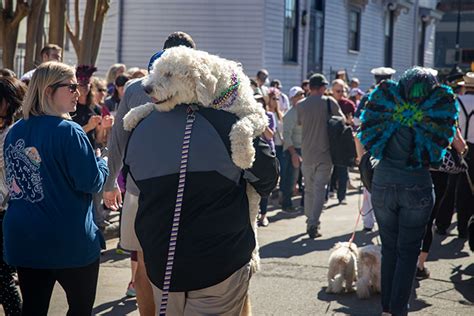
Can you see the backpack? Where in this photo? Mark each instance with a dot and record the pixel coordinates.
(341, 140)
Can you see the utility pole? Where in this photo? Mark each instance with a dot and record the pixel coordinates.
(458, 50)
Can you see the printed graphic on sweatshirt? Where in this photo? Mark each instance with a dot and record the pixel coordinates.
(23, 172)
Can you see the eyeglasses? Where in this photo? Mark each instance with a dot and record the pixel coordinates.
(71, 86)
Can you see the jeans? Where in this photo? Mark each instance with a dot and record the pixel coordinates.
(288, 177)
(315, 177)
(402, 211)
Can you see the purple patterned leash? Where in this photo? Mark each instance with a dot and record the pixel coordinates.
(177, 210)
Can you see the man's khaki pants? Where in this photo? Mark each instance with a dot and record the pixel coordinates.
(225, 298)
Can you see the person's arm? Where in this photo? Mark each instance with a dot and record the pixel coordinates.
(263, 175)
(117, 144)
(289, 123)
(336, 109)
(85, 171)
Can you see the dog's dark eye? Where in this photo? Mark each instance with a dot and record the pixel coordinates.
(167, 74)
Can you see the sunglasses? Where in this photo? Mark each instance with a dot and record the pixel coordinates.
(71, 86)
(102, 90)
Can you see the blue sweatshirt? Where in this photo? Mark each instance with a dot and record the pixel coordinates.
(51, 172)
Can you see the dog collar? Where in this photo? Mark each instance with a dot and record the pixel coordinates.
(228, 96)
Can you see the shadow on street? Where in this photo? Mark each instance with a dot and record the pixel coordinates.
(299, 244)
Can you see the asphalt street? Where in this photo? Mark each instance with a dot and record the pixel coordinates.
(292, 280)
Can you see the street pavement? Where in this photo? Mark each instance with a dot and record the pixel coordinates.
(292, 280)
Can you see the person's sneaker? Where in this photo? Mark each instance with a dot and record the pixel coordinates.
(313, 232)
(422, 274)
(263, 222)
(120, 251)
(131, 290)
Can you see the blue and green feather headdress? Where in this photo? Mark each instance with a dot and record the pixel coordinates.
(418, 102)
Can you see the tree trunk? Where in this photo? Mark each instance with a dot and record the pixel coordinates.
(32, 31)
(85, 56)
(39, 36)
(87, 44)
(9, 24)
(102, 9)
(57, 9)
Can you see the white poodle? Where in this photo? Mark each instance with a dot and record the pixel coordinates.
(369, 269)
(185, 76)
(342, 267)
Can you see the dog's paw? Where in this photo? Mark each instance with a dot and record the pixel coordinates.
(135, 115)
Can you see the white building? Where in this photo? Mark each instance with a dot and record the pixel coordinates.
(290, 38)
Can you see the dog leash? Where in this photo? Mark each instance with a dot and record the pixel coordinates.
(177, 210)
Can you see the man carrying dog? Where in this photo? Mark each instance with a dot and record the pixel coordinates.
(197, 159)
(134, 96)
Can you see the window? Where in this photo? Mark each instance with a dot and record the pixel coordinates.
(467, 56)
(354, 29)
(290, 32)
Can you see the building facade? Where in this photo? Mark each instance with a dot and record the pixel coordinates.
(290, 38)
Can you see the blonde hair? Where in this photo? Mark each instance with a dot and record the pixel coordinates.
(112, 72)
(36, 100)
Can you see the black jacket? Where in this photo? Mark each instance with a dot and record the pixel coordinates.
(215, 237)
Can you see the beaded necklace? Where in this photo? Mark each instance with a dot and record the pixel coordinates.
(228, 96)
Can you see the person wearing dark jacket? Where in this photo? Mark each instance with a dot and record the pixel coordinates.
(211, 257)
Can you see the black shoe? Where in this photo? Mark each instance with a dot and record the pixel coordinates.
(422, 274)
(367, 229)
(462, 234)
(313, 232)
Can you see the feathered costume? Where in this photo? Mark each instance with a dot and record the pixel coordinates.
(431, 113)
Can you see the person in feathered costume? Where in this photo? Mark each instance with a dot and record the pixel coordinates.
(407, 126)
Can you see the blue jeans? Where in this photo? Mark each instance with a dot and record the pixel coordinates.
(402, 211)
(288, 177)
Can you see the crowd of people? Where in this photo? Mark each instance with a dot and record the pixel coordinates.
(63, 147)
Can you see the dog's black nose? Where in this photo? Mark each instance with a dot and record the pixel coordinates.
(148, 89)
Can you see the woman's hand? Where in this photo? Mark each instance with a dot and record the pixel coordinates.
(93, 122)
(113, 199)
(107, 121)
(268, 133)
(459, 143)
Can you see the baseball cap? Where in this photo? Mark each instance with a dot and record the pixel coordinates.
(318, 80)
(153, 58)
(294, 91)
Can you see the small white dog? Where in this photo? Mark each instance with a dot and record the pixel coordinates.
(368, 272)
(342, 267)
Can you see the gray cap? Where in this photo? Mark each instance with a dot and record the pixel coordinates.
(318, 80)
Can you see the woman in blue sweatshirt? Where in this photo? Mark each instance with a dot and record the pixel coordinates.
(52, 171)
